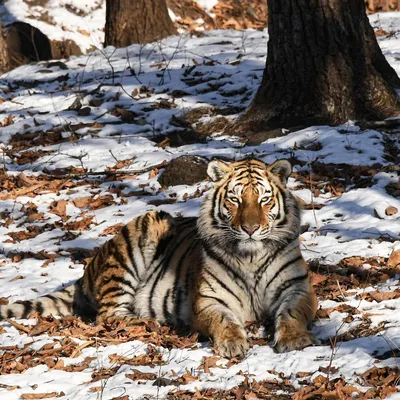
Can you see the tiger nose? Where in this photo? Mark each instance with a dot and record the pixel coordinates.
(250, 229)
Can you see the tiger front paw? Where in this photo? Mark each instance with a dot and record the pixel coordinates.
(285, 343)
(232, 342)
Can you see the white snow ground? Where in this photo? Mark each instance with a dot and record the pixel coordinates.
(156, 83)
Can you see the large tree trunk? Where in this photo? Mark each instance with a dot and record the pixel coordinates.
(137, 21)
(324, 65)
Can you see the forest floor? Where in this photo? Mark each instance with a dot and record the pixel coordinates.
(76, 136)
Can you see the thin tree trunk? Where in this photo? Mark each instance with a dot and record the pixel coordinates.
(4, 60)
(324, 65)
(138, 21)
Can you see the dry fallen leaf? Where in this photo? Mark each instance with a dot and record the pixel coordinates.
(153, 173)
(112, 230)
(380, 296)
(59, 208)
(82, 202)
(137, 375)
(394, 259)
(28, 396)
(16, 278)
(84, 32)
(391, 210)
(316, 279)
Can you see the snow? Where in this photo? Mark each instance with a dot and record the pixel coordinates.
(207, 4)
(208, 74)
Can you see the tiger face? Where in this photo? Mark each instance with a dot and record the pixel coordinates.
(249, 203)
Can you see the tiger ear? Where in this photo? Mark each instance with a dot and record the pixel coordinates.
(282, 169)
(217, 170)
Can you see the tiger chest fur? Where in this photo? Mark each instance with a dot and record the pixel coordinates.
(167, 292)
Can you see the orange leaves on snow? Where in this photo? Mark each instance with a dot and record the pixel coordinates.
(137, 375)
(112, 230)
(380, 296)
(394, 259)
(33, 396)
(9, 120)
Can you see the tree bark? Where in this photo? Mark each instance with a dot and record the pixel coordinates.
(4, 60)
(324, 65)
(138, 21)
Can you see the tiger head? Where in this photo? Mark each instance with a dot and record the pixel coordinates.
(249, 204)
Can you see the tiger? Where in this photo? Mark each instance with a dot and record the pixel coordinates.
(238, 261)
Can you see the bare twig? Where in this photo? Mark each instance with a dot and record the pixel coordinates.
(109, 173)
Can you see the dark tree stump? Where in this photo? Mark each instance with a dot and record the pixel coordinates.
(324, 65)
(138, 21)
(26, 44)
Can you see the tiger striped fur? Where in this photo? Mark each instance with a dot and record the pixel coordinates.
(238, 261)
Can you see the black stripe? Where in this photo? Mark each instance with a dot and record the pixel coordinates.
(88, 276)
(161, 269)
(213, 202)
(99, 259)
(27, 309)
(163, 215)
(283, 222)
(225, 287)
(212, 254)
(118, 279)
(208, 283)
(10, 313)
(125, 234)
(218, 201)
(240, 175)
(144, 229)
(177, 293)
(55, 302)
(105, 307)
(286, 285)
(167, 314)
(137, 230)
(216, 299)
(118, 291)
(124, 267)
(277, 202)
(120, 259)
(285, 210)
(282, 268)
(39, 307)
(282, 313)
(204, 308)
(161, 248)
(261, 270)
(67, 303)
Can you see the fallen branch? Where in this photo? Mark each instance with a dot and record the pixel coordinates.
(108, 173)
(77, 351)
(389, 123)
(21, 192)
(18, 326)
